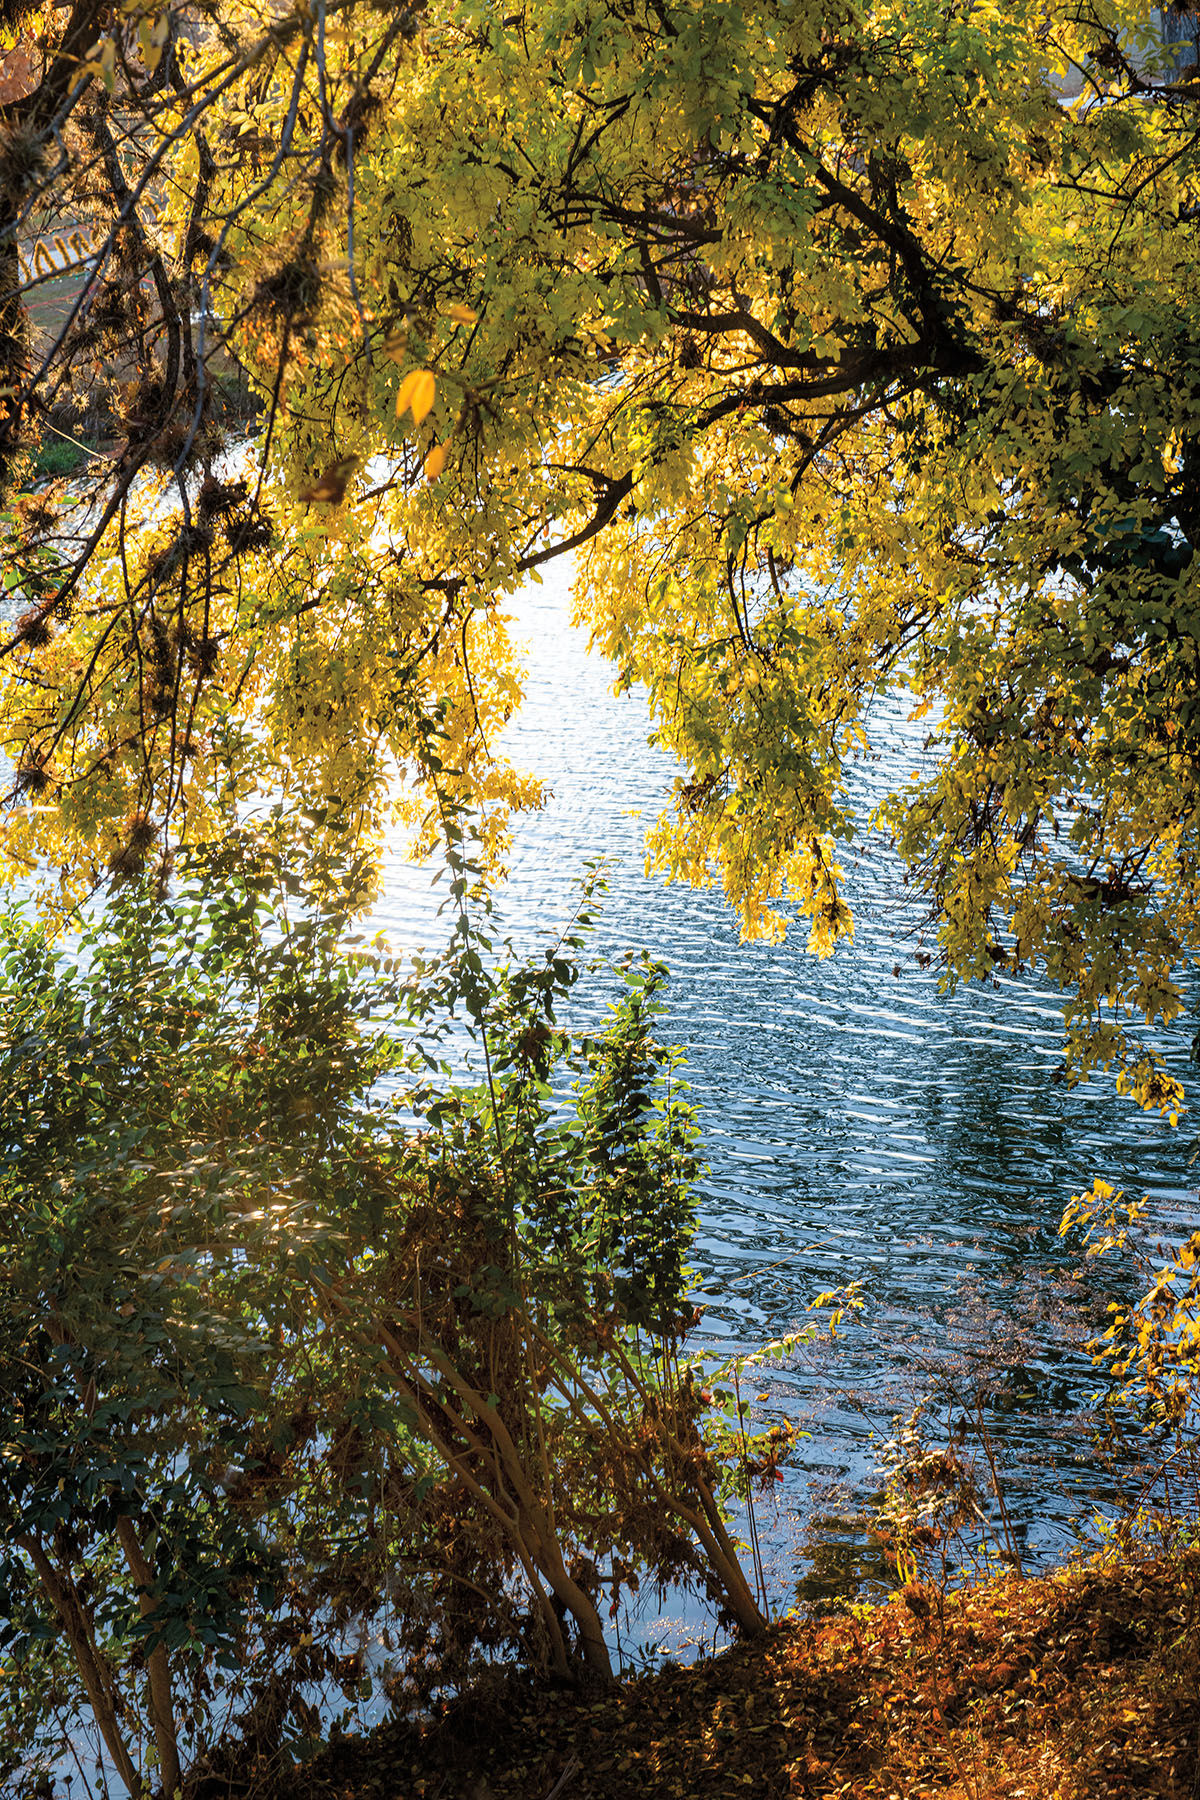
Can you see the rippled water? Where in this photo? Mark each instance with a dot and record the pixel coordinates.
(859, 1124)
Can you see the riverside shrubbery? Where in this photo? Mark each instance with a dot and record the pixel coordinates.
(307, 1346)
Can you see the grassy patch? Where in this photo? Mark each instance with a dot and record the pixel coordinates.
(55, 456)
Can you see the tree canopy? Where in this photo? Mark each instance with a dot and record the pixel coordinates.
(848, 349)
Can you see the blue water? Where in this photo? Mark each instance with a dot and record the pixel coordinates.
(859, 1124)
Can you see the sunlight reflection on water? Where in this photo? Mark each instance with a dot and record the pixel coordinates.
(858, 1123)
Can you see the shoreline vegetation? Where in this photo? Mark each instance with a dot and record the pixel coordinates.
(1081, 1684)
(845, 350)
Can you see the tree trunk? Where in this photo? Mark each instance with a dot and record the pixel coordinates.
(162, 1699)
(14, 342)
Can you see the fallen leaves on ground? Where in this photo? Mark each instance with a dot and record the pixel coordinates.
(1081, 1685)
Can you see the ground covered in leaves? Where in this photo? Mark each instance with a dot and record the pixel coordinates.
(1080, 1684)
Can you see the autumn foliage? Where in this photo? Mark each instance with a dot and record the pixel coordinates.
(1081, 1686)
(852, 353)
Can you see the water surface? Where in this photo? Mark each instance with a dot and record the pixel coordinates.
(859, 1124)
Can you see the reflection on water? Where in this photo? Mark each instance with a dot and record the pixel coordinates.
(858, 1124)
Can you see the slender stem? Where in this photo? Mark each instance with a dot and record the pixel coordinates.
(759, 1572)
(707, 1524)
(985, 1438)
(94, 1672)
(162, 1698)
(528, 1526)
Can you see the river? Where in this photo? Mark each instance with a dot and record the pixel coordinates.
(859, 1124)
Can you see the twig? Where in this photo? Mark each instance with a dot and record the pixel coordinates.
(569, 1773)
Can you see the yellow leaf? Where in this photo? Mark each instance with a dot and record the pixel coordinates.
(102, 62)
(435, 462)
(422, 395)
(462, 315)
(404, 397)
(152, 38)
(416, 393)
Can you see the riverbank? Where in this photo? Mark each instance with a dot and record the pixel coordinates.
(1080, 1685)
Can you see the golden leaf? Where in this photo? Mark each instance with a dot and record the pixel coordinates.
(462, 315)
(152, 39)
(416, 393)
(102, 62)
(435, 462)
(422, 395)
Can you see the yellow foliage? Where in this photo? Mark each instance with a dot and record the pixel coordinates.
(849, 355)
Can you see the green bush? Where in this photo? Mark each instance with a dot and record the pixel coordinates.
(302, 1341)
(56, 456)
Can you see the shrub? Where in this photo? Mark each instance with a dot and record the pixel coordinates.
(306, 1343)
